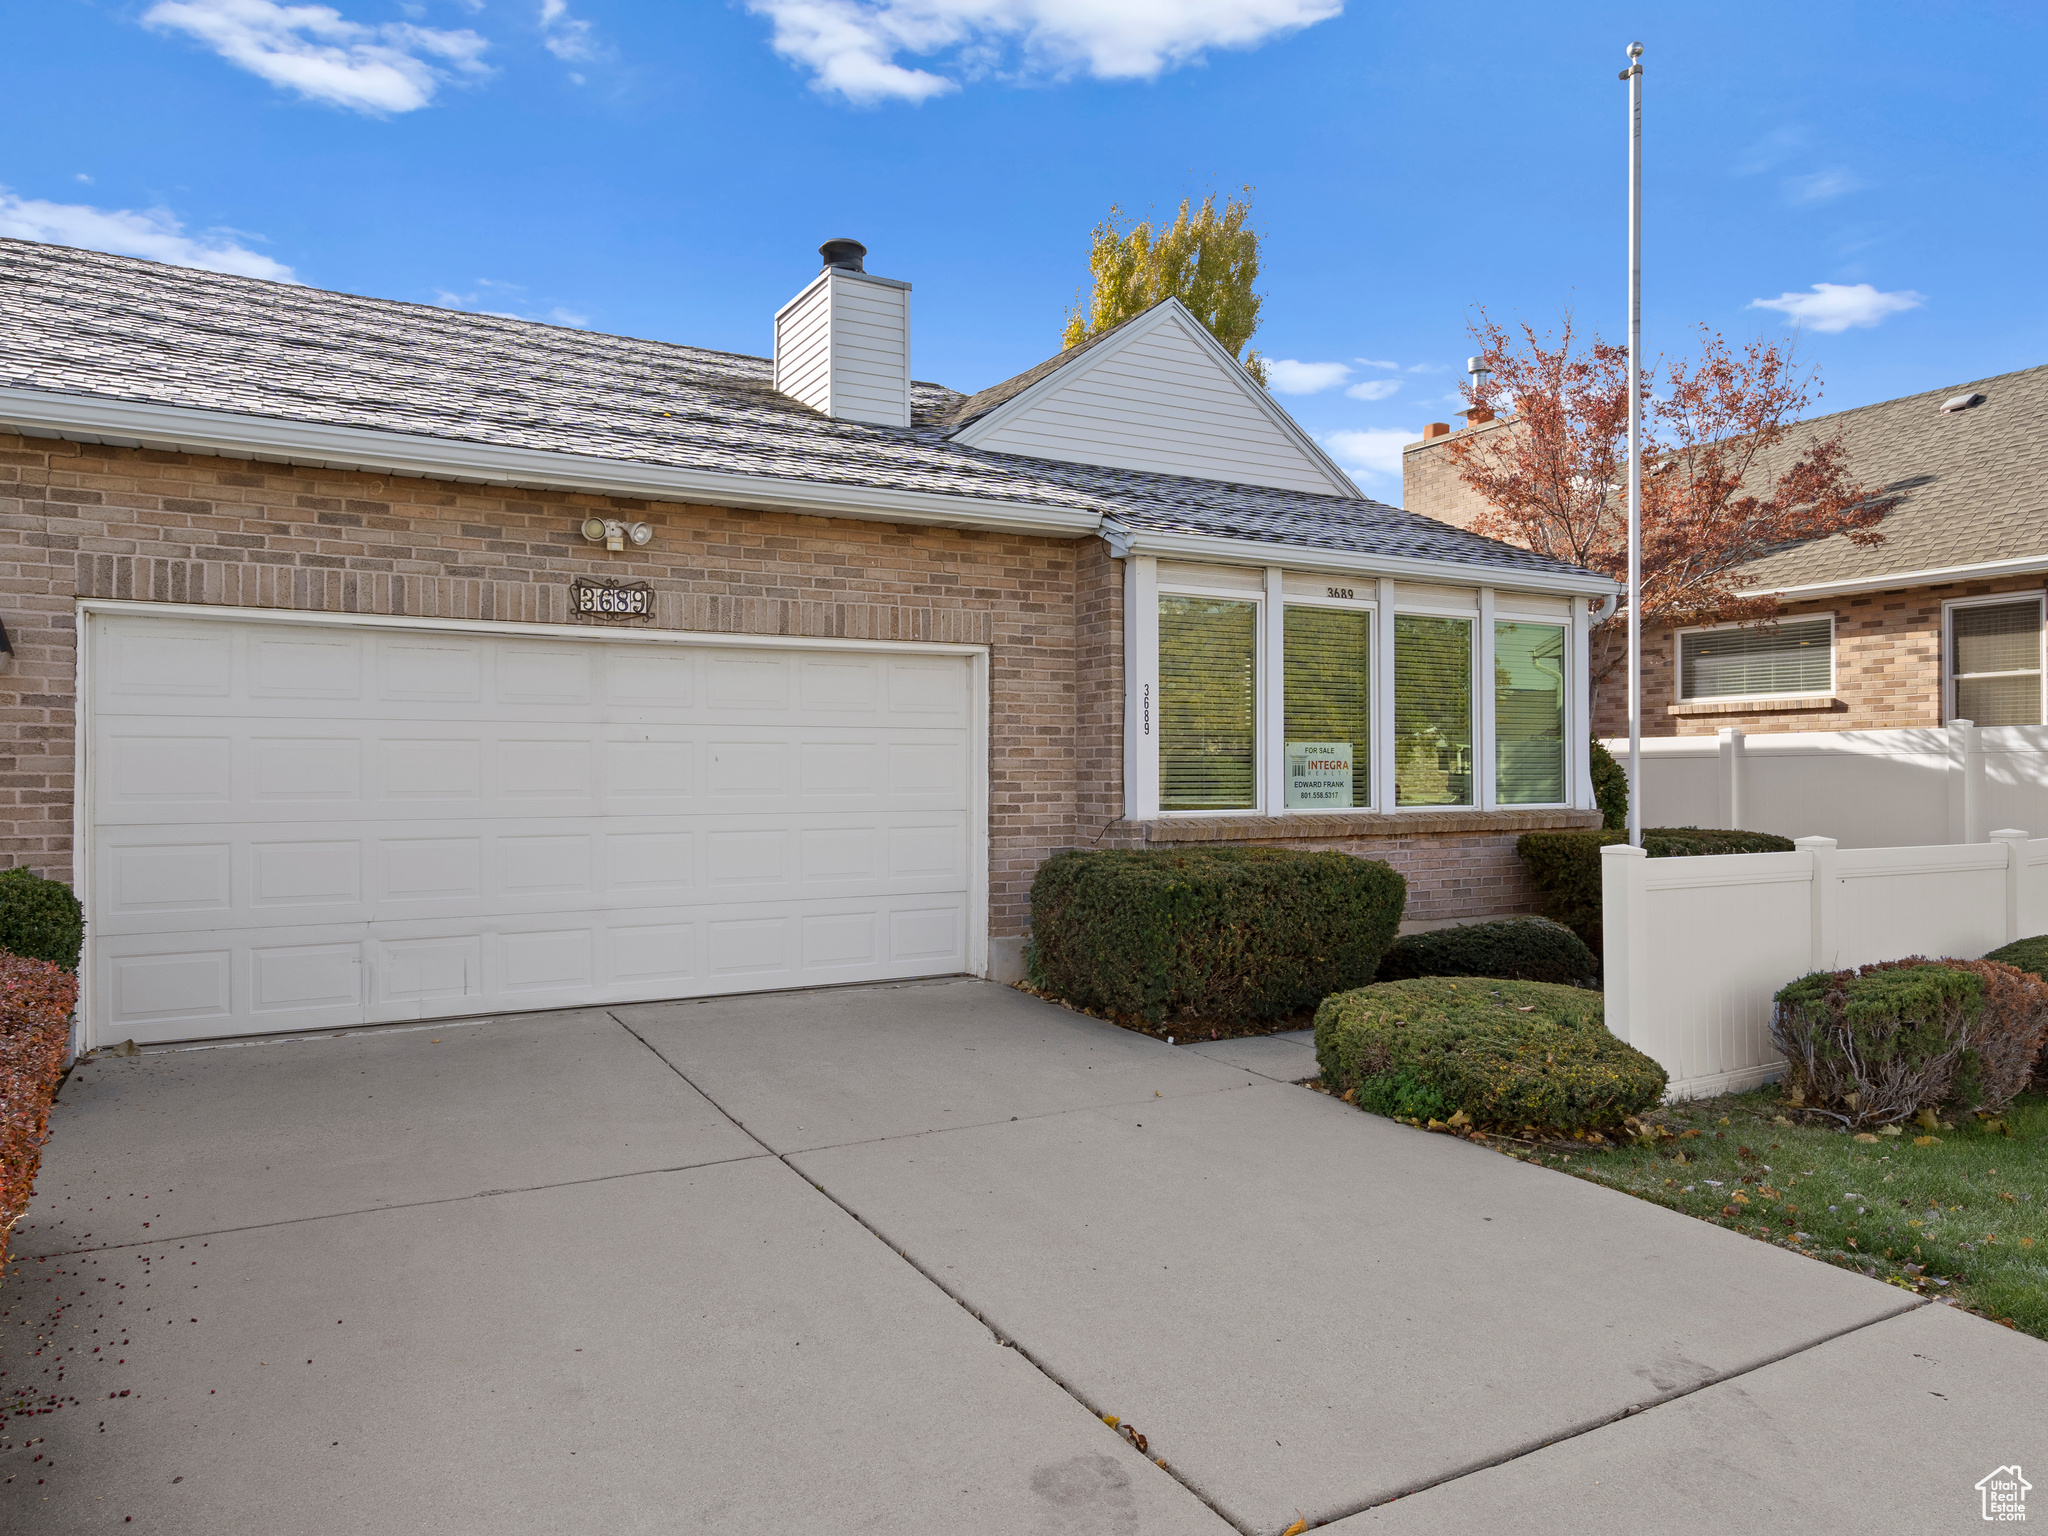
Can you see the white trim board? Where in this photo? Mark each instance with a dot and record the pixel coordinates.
(1939, 575)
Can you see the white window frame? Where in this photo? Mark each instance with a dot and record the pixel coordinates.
(1678, 663)
(1574, 750)
(1949, 709)
(1144, 586)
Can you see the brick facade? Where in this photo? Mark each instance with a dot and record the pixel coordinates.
(97, 521)
(1888, 668)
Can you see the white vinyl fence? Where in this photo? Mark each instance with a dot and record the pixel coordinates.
(1696, 946)
(1865, 789)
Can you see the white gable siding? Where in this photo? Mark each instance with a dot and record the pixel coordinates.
(1161, 403)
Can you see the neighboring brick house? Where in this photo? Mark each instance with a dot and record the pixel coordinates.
(372, 661)
(1940, 622)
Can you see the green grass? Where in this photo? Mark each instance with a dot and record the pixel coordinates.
(1965, 1216)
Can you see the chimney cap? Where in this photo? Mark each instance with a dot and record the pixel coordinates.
(844, 254)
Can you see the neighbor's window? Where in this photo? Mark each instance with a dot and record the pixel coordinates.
(1432, 710)
(1995, 663)
(1208, 704)
(1329, 708)
(1528, 713)
(1735, 662)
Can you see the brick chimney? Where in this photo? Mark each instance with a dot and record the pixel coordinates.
(1435, 430)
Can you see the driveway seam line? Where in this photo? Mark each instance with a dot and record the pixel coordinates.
(936, 1283)
(373, 1210)
(1634, 1410)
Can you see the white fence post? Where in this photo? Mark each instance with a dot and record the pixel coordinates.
(1624, 935)
(2015, 842)
(1734, 766)
(1826, 939)
(1966, 808)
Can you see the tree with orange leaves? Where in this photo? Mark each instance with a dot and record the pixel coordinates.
(1727, 478)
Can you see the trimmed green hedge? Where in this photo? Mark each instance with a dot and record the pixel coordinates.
(1610, 789)
(1507, 1053)
(1241, 935)
(1514, 948)
(40, 919)
(1566, 865)
(1872, 1046)
(2031, 956)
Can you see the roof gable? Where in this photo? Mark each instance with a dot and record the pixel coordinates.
(1159, 394)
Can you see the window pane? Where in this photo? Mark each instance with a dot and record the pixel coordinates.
(1528, 713)
(1329, 708)
(2014, 699)
(1208, 704)
(1432, 710)
(1998, 637)
(1791, 657)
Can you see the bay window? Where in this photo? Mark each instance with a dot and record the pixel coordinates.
(1279, 693)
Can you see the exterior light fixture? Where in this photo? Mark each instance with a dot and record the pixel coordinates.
(613, 534)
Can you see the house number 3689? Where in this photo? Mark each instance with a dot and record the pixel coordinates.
(1342, 592)
(1148, 709)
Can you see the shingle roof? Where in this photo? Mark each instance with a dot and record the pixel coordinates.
(1972, 484)
(114, 327)
(980, 403)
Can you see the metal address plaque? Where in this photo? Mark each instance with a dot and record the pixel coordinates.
(604, 599)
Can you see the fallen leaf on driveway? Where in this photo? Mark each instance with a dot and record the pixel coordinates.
(1295, 1529)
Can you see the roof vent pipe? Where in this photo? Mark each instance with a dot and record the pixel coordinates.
(842, 346)
(846, 255)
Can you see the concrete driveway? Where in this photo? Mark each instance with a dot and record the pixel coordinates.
(878, 1260)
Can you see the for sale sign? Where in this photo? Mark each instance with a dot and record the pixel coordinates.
(1319, 775)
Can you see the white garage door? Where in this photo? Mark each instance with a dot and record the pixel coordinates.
(301, 826)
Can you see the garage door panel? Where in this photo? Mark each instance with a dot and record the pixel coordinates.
(330, 827)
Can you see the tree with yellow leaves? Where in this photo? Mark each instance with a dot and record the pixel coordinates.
(1208, 258)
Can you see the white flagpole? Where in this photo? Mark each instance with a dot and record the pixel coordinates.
(1634, 76)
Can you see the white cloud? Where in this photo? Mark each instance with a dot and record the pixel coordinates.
(81, 176)
(850, 47)
(494, 291)
(1373, 389)
(154, 233)
(1370, 362)
(1376, 451)
(1822, 186)
(1288, 377)
(1833, 307)
(566, 37)
(316, 51)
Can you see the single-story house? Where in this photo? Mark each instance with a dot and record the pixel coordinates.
(1942, 621)
(372, 661)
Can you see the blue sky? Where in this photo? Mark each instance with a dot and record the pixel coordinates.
(666, 168)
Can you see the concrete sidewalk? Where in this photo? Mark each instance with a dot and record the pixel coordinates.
(877, 1259)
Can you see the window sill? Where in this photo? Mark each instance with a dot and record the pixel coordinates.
(1251, 826)
(1764, 705)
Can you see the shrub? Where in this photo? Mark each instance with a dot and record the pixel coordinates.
(40, 919)
(1239, 935)
(1513, 948)
(1610, 789)
(1565, 866)
(2031, 956)
(36, 999)
(1999, 1059)
(1510, 1053)
(1872, 1046)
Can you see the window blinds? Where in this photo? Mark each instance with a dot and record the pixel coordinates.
(1528, 714)
(1794, 656)
(1995, 658)
(1208, 704)
(1329, 694)
(1432, 710)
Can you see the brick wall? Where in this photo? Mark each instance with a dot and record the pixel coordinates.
(1887, 668)
(1430, 483)
(89, 521)
(93, 521)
